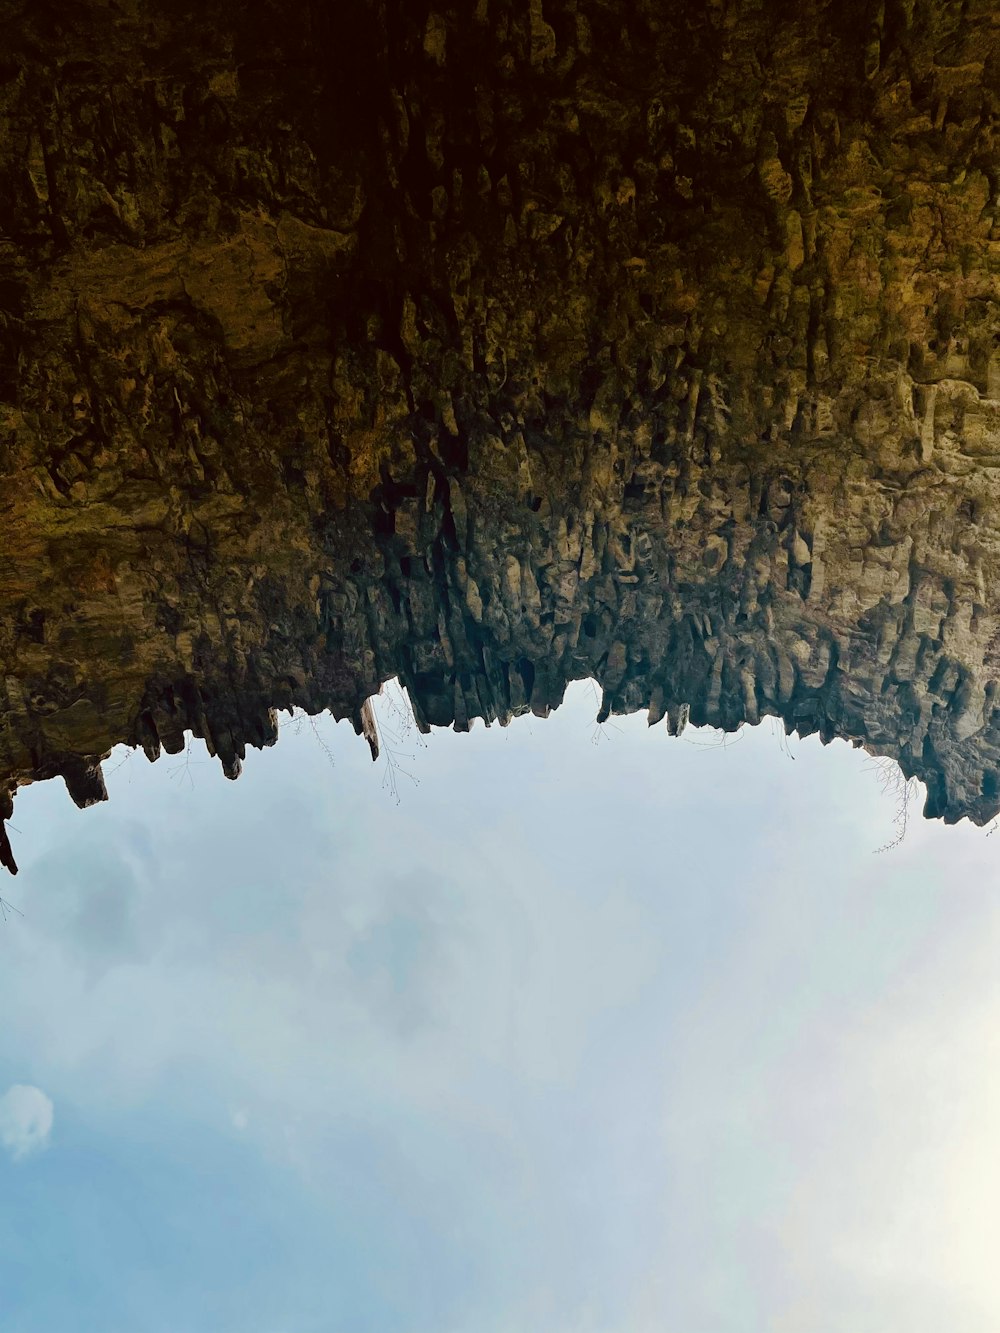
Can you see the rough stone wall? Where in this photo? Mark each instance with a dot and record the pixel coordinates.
(497, 345)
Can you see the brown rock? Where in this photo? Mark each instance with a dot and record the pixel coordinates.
(497, 349)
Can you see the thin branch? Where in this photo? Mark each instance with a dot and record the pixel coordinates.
(322, 743)
(182, 770)
(6, 907)
(891, 782)
(394, 733)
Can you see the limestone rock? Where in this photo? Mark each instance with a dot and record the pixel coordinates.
(497, 347)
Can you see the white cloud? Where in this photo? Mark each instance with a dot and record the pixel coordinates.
(25, 1120)
(724, 1063)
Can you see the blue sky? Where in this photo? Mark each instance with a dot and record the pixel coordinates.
(601, 1037)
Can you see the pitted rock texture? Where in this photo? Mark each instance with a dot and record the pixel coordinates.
(495, 346)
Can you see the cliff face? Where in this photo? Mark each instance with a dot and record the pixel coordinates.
(493, 347)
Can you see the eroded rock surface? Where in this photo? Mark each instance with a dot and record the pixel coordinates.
(495, 346)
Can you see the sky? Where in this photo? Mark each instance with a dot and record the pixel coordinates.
(555, 1027)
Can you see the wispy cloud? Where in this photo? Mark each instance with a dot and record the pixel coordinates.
(26, 1116)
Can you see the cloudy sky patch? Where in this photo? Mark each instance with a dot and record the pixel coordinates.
(614, 1037)
(26, 1116)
